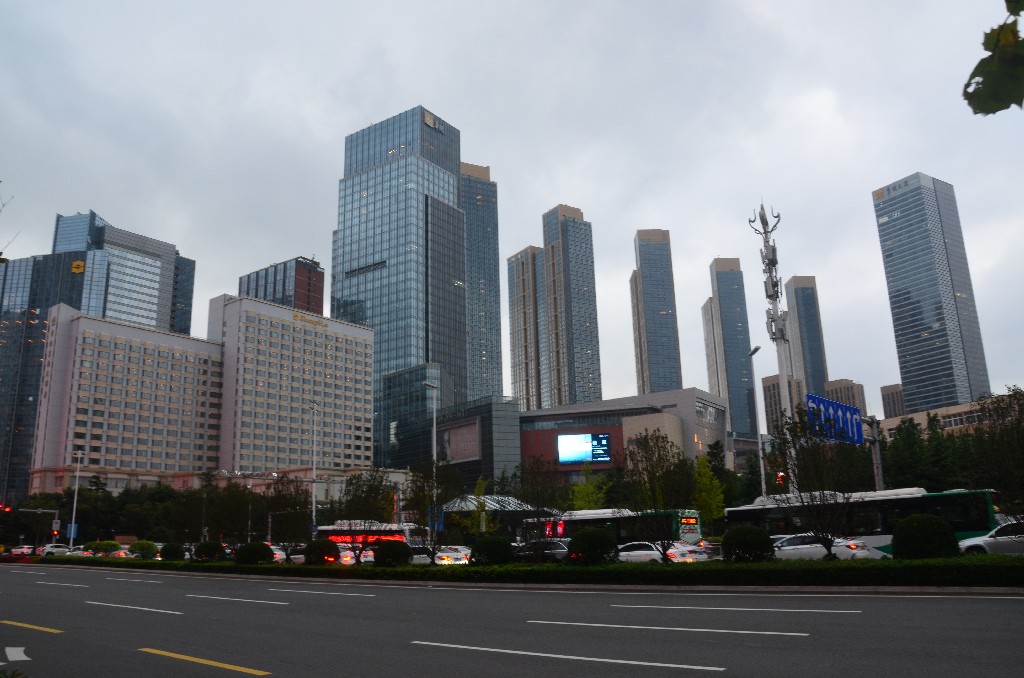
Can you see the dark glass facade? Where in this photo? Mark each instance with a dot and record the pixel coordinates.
(727, 342)
(297, 283)
(934, 315)
(806, 339)
(98, 269)
(398, 260)
(655, 324)
(28, 288)
(479, 201)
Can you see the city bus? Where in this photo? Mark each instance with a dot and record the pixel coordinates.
(872, 516)
(626, 526)
(365, 532)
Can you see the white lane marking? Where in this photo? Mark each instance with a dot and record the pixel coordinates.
(16, 654)
(144, 581)
(570, 656)
(326, 593)
(28, 572)
(55, 583)
(238, 600)
(670, 628)
(132, 607)
(737, 609)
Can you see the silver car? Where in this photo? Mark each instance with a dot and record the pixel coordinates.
(1007, 538)
(807, 547)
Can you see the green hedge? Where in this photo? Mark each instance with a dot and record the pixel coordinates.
(977, 571)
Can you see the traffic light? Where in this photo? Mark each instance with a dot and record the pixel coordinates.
(780, 478)
(4, 508)
(54, 532)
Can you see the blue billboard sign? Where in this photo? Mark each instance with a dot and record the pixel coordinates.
(834, 421)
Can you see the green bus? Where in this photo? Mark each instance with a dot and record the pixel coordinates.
(872, 516)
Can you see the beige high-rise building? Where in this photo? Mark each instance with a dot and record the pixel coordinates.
(268, 389)
(847, 392)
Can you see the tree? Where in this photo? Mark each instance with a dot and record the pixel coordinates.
(825, 473)
(997, 81)
(999, 448)
(660, 478)
(369, 495)
(708, 497)
(588, 494)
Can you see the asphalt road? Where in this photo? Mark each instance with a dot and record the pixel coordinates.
(72, 621)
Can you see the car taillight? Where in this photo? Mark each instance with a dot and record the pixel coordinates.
(671, 555)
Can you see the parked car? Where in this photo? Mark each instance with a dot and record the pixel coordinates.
(807, 547)
(648, 552)
(23, 550)
(1007, 538)
(543, 551)
(80, 551)
(55, 550)
(452, 555)
(420, 555)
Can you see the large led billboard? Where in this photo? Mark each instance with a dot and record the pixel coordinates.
(579, 448)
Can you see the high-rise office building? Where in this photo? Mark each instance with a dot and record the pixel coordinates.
(479, 201)
(655, 325)
(847, 392)
(105, 272)
(806, 346)
(892, 401)
(555, 351)
(398, 265)
(934, 316)
(297, 283)
(727, 346)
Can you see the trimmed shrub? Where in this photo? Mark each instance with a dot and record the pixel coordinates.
(924, 536)
(254, 553)
(208, 551)
(103, 548)
(492, 551)
(592, 546)
(392, 553)
(172, 552)
(145, 549)
(747, 544)
(321, 551)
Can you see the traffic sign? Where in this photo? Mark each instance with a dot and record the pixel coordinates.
(834, 421)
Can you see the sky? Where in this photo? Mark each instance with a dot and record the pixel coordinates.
(220, 127)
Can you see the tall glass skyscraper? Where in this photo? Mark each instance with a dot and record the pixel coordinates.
(98, 269)
(479, 201)
(806, 339)
(727, 346)
(556, 354)
(934, 316)
(399, 265)
(655, 325)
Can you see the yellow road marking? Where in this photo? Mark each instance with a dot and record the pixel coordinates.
(197, 660)
(30, 626)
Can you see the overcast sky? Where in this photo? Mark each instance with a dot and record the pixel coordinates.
(220, 127)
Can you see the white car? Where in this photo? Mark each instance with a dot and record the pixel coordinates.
(452, 555)
(1007, 538)
(55, 550)
(807, 547)
(646, 552)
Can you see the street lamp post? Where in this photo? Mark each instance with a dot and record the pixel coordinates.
(315, 407)
(757, 428)
(433, 466)
(74, 503)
